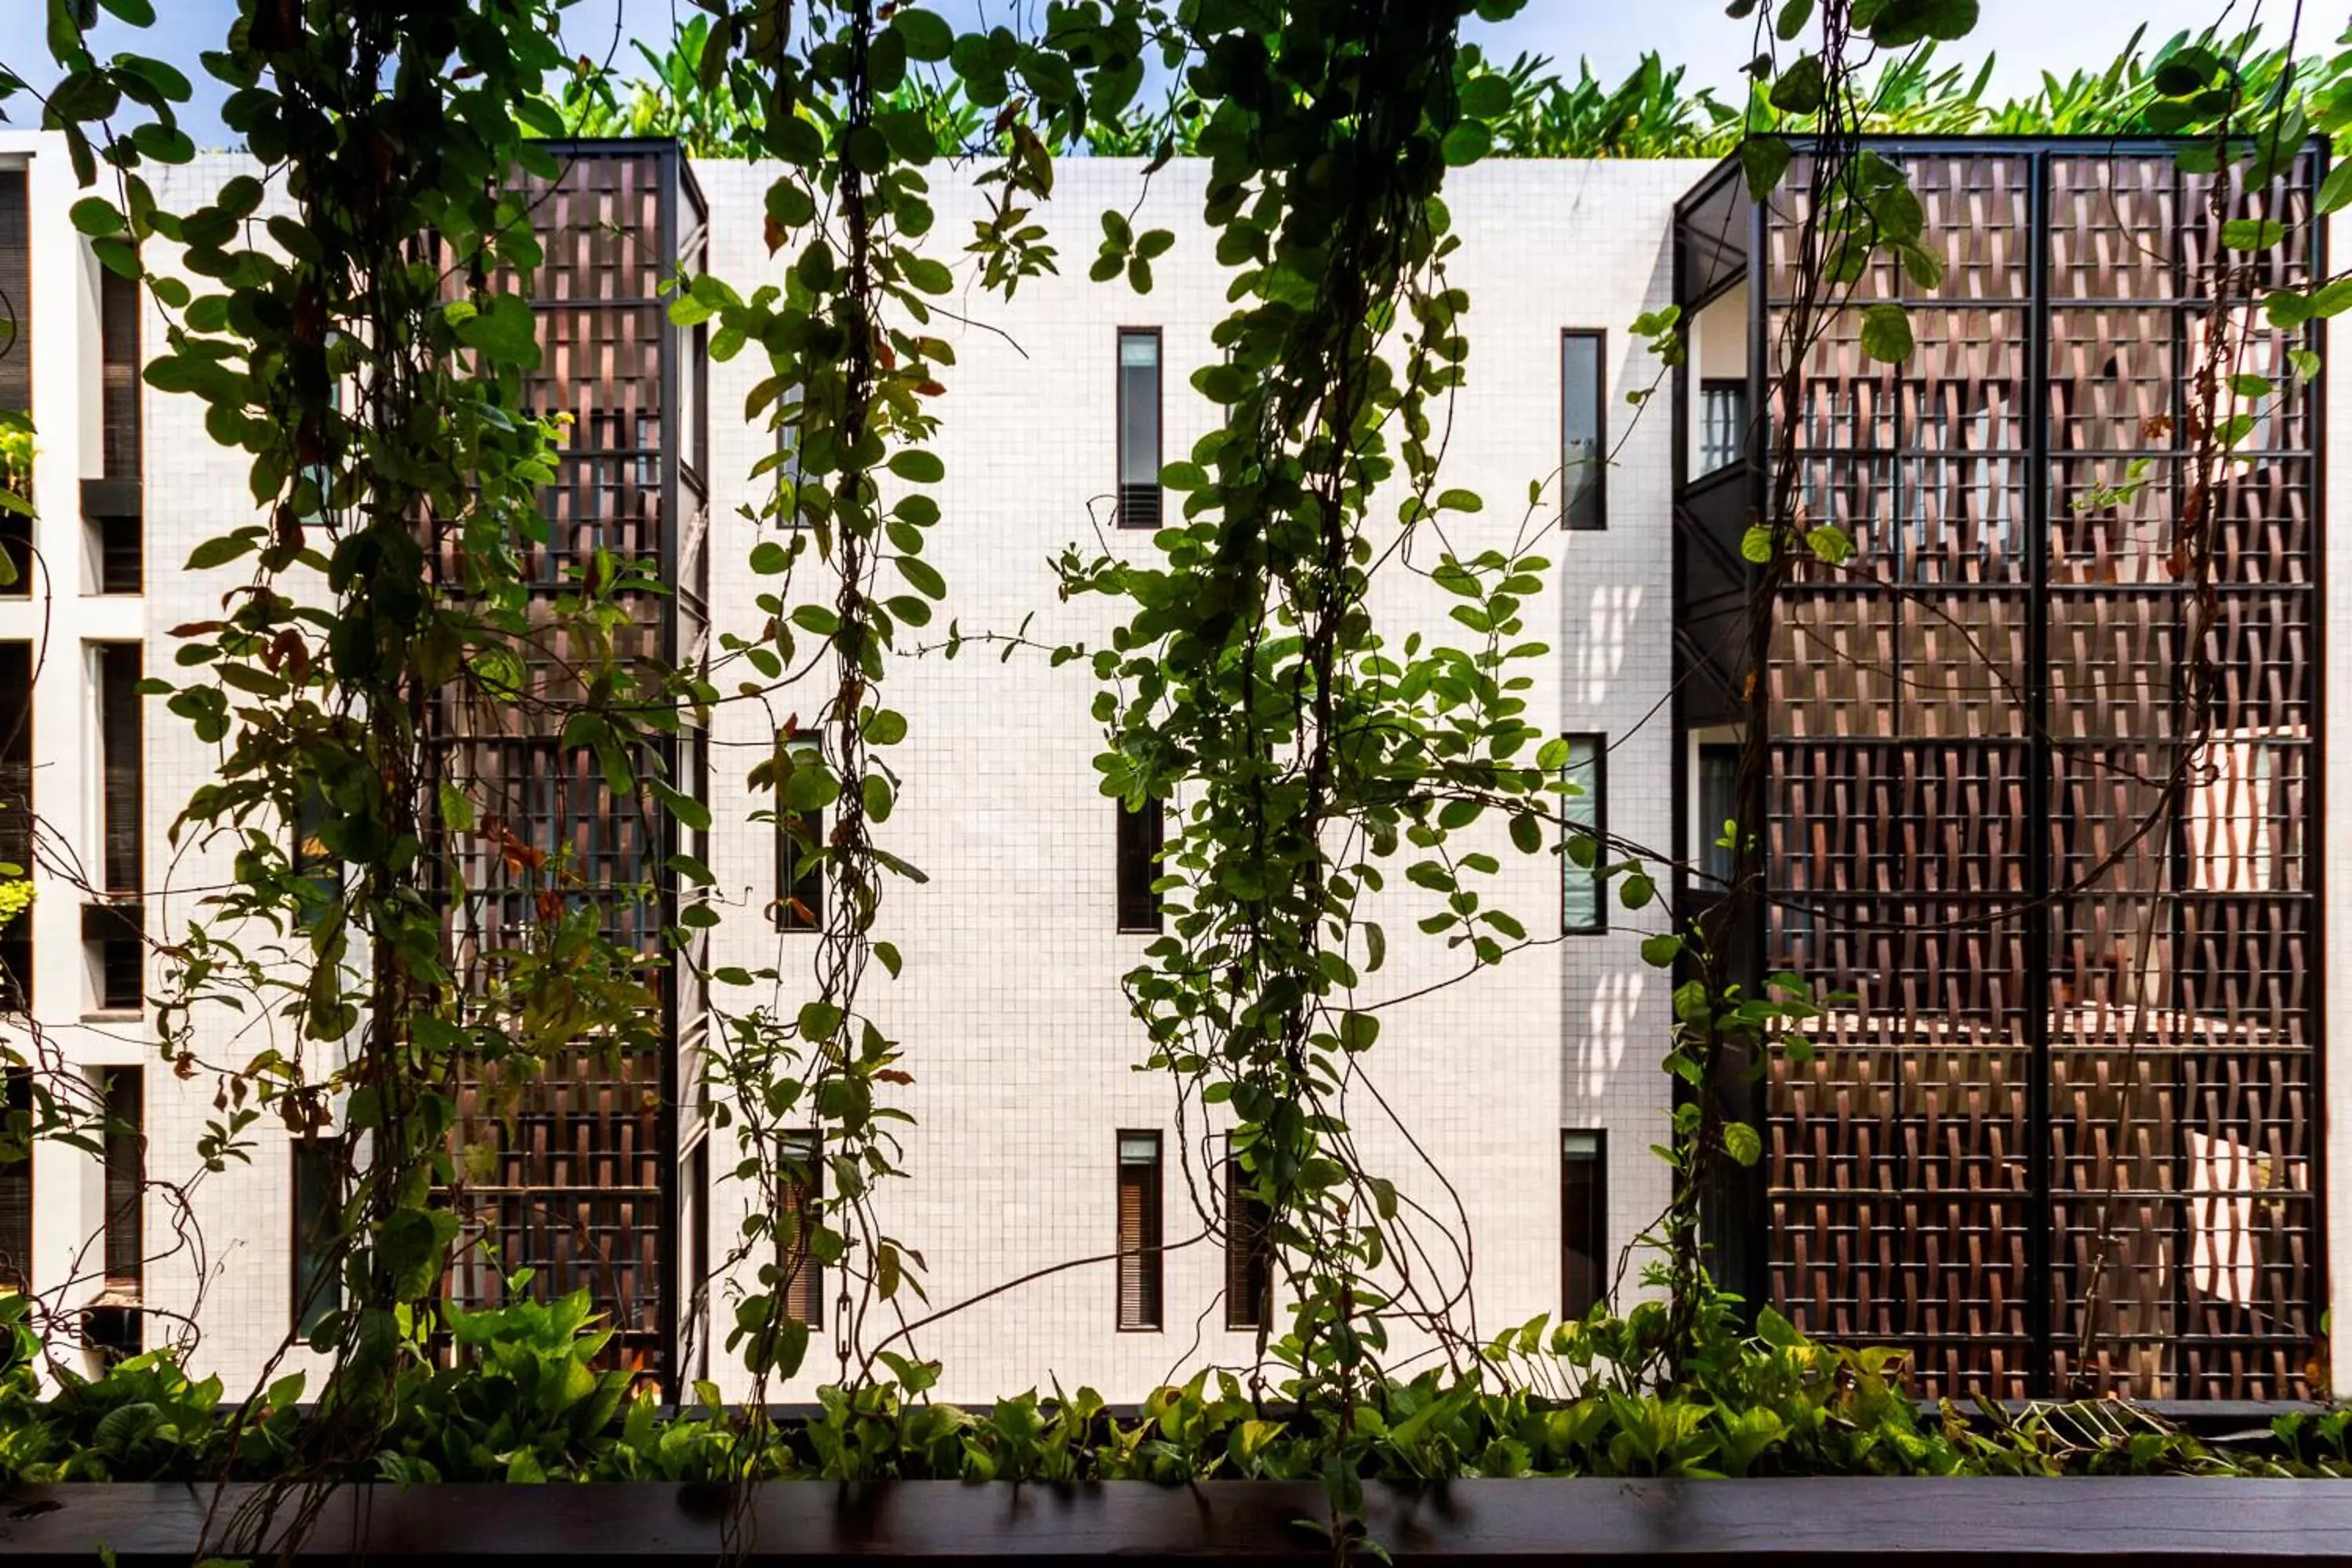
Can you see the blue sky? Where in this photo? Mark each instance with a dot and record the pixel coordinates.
(2027, 36)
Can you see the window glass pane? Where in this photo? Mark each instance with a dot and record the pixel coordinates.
(318, 1197)
(1585, 819)
(1139, 429)
(1722, 421)
(1583, 435)
(1583, 1220)
(1140, 835)
(1140, 1261)
(1718, 803)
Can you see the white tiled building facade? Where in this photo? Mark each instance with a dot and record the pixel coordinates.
(1010, 1011)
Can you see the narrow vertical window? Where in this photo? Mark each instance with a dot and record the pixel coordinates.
(318, 1215)
(1583, 1223)
(122, 792)
(1139, 427)
(1139, 1231)
(118, 341)
(803, 1186)
(1140, 835)
(15, 377)
(125, 1141)
(17, 1186)
(1718, 807)
(1249, 1251)
(1722, 424)
(1584, 455)
(1584, 820)
(800, 870)
(16, 825)
(312, 863)
(112, 1324)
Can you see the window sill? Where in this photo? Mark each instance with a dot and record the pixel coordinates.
(114, 1015)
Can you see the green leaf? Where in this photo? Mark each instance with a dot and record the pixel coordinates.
(1756, 544)
(1357, 1031)
(219, 551)
(689, 811)
(1660, 952)
(138, 13)
(1487, 97)
(1791, 21)
(1764, 160)
(1901, 22)
(2252, 234)
(1777, 1331)
(1741, 1142)
(926, 34)
(1830, 543)
(2337, 189)
(1466, 142)
(1887, 333)
(917, 467)
(1800, 87)
(95, 215)
(921, 574)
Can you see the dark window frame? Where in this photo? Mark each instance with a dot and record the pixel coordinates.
(1571, 492)
(309, 1303)
(1595, 801)
(15, 1270)
(1714, 459)
(1159, 425)
(124, 1218)
(18, 811)
(1583, 1182)
(804, 1291)
(123, 781)
(1142, 835)
(1148, 1254)
(806, 886)
(1249, 1251)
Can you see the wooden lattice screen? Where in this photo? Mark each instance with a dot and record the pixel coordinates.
(578, 1174)
(2064, 1138)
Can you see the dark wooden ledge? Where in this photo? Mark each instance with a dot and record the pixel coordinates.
(1585, 1523)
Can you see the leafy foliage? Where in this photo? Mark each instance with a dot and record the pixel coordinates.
(1547, 1399)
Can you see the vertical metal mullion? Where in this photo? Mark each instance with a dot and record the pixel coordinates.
(2041, 1222)
(2314, 788)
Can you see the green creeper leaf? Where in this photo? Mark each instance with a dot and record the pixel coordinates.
(1764, 161)
(1830, 543)
(2337, 189)
(885, 727)
(95, 215)
(2252, 234)
(917, 467)
(1526, 833)
(1756, 544)
(1357, 1031)
(1487, 97)
(1897, 23)
(926, 34)
(1800, 87)
(921, 574)
(1887, 333)
(1660, 952)
(1742, 1142)
(138, 13)
(689, 811)
(1466, 142)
